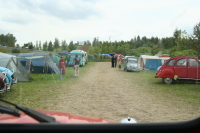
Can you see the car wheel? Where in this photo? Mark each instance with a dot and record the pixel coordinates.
(168, 80)
(8, 87)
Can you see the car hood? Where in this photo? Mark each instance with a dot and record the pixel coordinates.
(61, 117)
(132, 64)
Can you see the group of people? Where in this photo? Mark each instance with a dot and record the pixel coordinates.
(62, 66)
(116, 60)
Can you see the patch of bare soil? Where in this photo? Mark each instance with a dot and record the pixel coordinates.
(107, 93)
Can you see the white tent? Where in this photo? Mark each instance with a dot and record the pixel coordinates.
(11, 62)
(149, 62)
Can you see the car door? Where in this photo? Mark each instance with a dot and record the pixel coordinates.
(193, 69)
(180, 68)
(125, 62)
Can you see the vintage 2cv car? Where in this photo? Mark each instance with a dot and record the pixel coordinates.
(179, 68)
(131, 64)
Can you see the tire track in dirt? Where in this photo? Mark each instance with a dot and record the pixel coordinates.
(110, 94)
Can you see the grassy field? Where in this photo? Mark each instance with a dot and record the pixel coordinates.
(187, 91)
(44, 86)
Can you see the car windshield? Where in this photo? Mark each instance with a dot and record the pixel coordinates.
(132, 61)
(40, 39)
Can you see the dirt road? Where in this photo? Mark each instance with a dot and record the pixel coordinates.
(110, 94)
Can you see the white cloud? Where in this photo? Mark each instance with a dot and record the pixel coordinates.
(82, 20)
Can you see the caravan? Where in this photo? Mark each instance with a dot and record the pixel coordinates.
(81, 54)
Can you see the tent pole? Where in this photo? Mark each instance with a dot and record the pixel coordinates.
(30, 65)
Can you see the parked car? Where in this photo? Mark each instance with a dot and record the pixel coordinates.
(131, 63)
(6, 79)
(2, 82)
(179, 67)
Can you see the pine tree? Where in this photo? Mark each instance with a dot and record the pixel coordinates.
(50, 46)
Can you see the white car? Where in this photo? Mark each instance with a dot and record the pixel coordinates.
(131, 64)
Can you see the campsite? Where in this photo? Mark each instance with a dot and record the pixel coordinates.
(40, 39)
(92, 94)
(100, 91)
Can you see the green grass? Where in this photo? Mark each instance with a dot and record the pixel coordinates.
(186, 91)
(45, 86)
(42, 87)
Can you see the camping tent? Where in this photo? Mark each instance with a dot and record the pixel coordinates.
(11, 62)
(148, 62)
(64, 53)
(41, 62)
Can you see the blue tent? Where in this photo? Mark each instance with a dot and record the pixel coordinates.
(64, 53)
(152, 64)
(149, 62)
(38, 62)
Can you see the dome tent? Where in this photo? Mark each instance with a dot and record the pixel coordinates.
(11, 62)
(41, 62)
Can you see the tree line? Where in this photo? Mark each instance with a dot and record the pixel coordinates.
(179, 44)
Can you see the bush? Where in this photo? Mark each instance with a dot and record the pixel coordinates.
(15, 51)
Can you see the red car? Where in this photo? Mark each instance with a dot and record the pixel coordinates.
(178, 68)
(60, 117)
(2, 82)
(24, 119)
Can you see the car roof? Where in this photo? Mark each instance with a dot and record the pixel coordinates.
(175, 57)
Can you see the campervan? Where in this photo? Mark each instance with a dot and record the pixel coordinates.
(81, 54)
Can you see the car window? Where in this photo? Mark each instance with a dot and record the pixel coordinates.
(170, 63)
(132, 61)
(193, 62)
(181, 62)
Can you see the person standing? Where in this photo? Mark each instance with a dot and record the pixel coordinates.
(61, 66)
(76, 66)
(119, 63)
(115, 61)
(112, 61)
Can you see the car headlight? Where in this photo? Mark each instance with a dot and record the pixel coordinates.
(158, 68)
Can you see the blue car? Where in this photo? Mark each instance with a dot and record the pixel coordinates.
(6, 79)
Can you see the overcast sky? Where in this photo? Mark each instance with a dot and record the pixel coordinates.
(82, 20)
